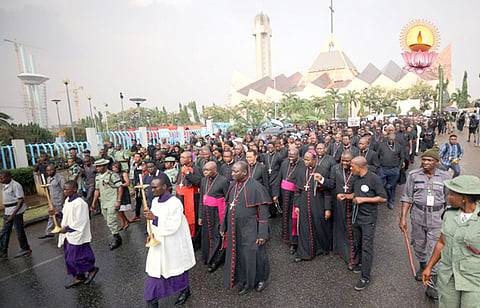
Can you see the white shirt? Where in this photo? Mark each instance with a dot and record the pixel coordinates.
(12, 192)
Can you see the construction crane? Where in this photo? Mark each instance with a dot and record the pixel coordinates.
(76, 99)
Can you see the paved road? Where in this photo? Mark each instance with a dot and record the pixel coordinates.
(38, 280)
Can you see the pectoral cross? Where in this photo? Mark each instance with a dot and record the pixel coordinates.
(232, 204)
(180, 185)
(270, 171)
(306, 186)
(345, 187)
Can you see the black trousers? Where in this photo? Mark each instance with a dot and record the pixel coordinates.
(363, 239)
(7, 230)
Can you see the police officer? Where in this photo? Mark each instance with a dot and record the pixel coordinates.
(108, 188)
(426, 196)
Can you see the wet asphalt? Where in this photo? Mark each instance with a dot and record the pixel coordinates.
(38, 280)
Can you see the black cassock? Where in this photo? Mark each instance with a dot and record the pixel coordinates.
(314, 232)
(342, 213)
(285, 190)
(212, 211)
(272, 164)
(259, 173)
(246, 220)
(226, 171)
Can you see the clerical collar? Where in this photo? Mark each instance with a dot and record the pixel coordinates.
(164, 197)
(73, 197)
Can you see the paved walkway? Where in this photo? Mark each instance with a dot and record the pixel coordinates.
(38, 281)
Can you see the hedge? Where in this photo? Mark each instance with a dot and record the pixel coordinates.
(24, 176)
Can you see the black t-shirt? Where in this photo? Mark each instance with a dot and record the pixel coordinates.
(369, 185)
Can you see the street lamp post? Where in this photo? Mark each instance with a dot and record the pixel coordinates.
(56, 101)
(91, 113)
(138, 101)
(123, 114)
(66, 81)
(106, 115)
(276, 109)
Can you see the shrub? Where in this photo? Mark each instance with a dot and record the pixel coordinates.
(24, 176)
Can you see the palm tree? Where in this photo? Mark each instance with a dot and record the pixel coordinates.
(333, 98)
(4, 118)
(351, 98)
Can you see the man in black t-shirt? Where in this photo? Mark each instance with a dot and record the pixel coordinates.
(368, 192)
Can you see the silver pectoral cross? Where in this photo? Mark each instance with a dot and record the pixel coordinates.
(270, 171)
(232, 204)
(306, 186)
(345, 188)
(180, 185)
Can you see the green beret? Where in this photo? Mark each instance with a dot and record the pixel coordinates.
(431, 153)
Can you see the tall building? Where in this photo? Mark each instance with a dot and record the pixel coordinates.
(262, 33)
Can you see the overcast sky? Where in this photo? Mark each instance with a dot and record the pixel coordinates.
(172, 51)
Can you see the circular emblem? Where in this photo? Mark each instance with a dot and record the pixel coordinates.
(364, 188)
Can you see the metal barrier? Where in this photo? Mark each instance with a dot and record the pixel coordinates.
(8, 162)
(52, 149)
(123, 137)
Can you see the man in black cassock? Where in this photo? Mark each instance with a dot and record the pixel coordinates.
(226, 168)
(314, 226)
(256, 170)
(246, 228)
(283, 192)
(342, 183)
(213, 189)
(272, 160)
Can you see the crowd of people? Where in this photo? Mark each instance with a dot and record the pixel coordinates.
(218, 193)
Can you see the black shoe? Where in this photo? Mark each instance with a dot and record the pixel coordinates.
(91, 275)
(182, 298)
(432, 293)
(390, 206)
(22, 253)
(293, 249)
(213, 267)
(116, 242)
(297, 260)
(244, 290)
(418, 275)
(362, 284)
(350, 266)
(45, 236)
(431, 290)
(357, 269)
(261, 285)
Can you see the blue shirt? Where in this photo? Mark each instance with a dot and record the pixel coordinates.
(449, 152)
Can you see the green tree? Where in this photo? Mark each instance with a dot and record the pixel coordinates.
(333, 99)
(4, 118)
(193, 107)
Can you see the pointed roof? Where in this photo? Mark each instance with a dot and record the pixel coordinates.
(331, 56)
(323, 81)
(369, 74)
(393, 71)
(332, 60)
(260, 85)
